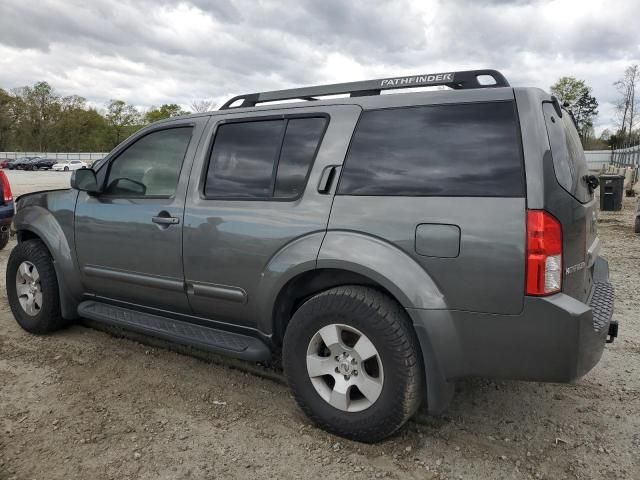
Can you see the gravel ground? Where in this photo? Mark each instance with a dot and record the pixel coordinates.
(86, 404)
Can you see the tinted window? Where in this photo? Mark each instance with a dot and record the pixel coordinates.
(440, 150)
(247, 156)
(242, 159)
(569, 163)
(151, 166)
(300, 143)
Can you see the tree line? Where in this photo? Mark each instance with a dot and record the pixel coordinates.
(577, 96)
(37, 119)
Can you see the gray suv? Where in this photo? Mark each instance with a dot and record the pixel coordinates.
(383, 245)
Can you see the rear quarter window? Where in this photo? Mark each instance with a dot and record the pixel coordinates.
(437, 150)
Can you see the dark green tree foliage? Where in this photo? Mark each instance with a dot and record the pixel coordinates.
(36, 118)
(162, 112)
(576, 95)
(6, 119)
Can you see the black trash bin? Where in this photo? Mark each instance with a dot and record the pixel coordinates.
(611, 192)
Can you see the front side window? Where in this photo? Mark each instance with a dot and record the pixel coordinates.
(437, 150)
(151, 166)
(263, 159)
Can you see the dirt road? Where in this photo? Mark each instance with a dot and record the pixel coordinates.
(83, 404)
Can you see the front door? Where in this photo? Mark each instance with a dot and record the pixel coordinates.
(129, 237)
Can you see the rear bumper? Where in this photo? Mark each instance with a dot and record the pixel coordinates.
(553, 339)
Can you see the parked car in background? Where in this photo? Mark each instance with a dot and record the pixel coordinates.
(19, 163)
(69, 165)
(7, 209)
(28, 163)
(4, 162)
(10, 164)
(38, 163)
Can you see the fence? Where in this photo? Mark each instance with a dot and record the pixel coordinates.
(88, 157)
(626, 157)
(596, 159)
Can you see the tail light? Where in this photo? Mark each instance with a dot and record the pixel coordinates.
(544, 253)
(6, 188)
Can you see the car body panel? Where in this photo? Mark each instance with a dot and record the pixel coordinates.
(50, 217)
(123, 255)
(229, 244)
(468, 281)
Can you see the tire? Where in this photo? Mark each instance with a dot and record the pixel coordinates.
(46, 317)
(636, 225)
(4, 239)
(397, 366)
(66, 169)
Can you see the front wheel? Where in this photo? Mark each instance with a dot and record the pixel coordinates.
(353, 362)
(66, 169)
(32, 288)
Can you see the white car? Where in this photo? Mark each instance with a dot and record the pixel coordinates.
(69, 165)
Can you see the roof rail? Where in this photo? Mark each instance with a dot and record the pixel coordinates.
(457, 80)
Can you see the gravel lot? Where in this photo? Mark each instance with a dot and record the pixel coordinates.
(86, 404)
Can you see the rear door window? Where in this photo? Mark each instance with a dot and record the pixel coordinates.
(263, 159)
(437, 150)
(569, 162)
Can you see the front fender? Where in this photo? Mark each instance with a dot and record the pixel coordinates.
(54, 226)
(384, 263)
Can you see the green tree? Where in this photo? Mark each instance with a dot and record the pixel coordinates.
(80, 128)
(6, 119)
(168, 110)
(568, 89)
(576, 96)
(122, 120)
(36, 110)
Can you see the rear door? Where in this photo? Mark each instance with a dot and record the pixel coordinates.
(574, 203)
(254, 190)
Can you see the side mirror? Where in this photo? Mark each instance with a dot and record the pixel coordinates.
(85, 180)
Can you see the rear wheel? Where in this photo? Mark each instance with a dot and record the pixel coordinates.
(353, 362)
(32, 288)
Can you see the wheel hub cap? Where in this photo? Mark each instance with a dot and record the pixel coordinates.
(345, 368)
(28, 288)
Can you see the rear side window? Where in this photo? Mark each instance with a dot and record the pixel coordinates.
(437, 150)
(569, 163)
(263, 159)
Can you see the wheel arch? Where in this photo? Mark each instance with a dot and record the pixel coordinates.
(349, 258)
(35, 222)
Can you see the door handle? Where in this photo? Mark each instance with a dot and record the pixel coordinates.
(326, 179)
(164, 220)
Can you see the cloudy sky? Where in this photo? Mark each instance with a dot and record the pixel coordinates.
(150, 52)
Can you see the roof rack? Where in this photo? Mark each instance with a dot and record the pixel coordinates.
(456, 80)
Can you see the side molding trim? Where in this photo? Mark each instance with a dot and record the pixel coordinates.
(134, 278)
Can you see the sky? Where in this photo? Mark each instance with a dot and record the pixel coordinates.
(150, 52)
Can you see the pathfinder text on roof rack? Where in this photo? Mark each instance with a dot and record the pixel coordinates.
(422, 79)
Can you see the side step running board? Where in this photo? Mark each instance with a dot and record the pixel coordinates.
(207, 338)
